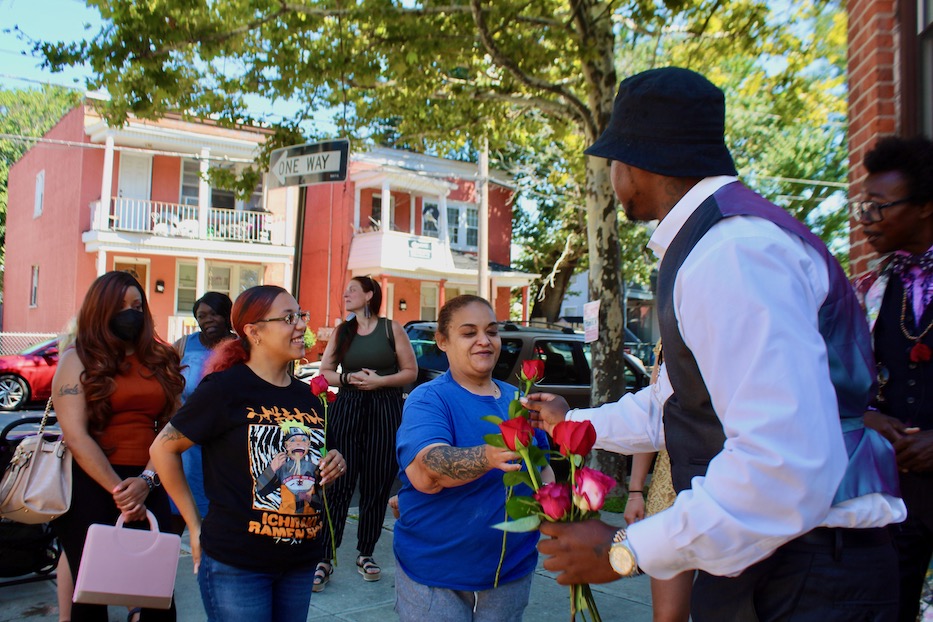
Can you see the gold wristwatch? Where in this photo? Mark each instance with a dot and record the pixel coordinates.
(621, 557)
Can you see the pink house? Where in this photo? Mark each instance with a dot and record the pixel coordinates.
(410, 221)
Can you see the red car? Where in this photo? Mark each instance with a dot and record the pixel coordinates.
(27, 376)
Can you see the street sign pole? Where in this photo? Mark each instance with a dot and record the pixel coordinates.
(299, 240)
(302, 166)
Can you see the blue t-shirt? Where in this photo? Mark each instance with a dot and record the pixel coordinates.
(446, 539)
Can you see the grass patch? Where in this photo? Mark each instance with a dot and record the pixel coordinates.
(615, 504)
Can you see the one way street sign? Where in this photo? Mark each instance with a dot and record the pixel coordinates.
(311, 163)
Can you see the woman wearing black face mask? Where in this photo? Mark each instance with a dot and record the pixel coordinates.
(113, 391)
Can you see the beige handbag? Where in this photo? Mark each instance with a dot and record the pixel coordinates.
(36, 485)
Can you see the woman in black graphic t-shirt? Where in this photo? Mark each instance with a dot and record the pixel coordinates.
(256, 551)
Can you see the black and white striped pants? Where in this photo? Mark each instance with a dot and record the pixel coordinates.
(362, 426)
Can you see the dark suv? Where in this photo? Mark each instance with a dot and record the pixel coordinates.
(566, 359)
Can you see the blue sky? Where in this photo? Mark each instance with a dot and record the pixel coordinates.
(41, 19)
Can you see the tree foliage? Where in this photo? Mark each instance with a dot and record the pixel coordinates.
(535, 78)
(25, 114)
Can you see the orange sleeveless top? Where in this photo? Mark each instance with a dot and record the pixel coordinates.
(137, 403)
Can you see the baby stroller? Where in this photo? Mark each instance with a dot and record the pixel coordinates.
(24, 549)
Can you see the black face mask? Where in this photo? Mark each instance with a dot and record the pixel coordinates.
(127, 325)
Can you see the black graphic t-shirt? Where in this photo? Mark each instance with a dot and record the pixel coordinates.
(260, 445)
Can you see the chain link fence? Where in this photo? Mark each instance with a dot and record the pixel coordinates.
(11, 343)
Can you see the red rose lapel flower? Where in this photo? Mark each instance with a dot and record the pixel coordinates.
(575, 437)
(920, 353)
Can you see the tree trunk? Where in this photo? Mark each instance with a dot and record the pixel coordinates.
(549, 308)
(603, 231)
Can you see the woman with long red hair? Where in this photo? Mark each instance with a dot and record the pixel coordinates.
(113, 391)
(261, 434)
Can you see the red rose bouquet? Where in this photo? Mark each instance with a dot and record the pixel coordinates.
(321, 390)
(578, 499)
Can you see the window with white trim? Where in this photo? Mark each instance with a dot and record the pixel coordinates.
(34, 287)
(227, 278)
(429, 301)
(40, 194)
(220, 198)
(377, 218)
(430, 219)
(463, 226)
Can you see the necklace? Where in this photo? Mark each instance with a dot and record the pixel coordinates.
(919, 353)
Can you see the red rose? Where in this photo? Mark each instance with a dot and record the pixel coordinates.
(516, 431)
(533, 370)
(590, 489)
(319, 385)
(331, 396)
(920, 353)
(554, 499)
(575, 437)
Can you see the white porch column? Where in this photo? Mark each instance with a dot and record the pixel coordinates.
(101, 262)
(491, 285)
(202, 277)
(204, 200)
(106, 187)
(356, 209)
(444, 234)
(386, 224)
(411, 212)
(287, 276)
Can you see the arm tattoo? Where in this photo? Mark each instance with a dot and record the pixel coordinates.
(169, 434)
(460, 463)
(74, 389)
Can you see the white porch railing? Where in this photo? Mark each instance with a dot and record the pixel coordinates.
(182, 221)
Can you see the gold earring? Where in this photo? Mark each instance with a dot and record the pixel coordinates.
(257, 342)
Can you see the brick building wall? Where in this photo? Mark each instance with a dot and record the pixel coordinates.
(874, 97)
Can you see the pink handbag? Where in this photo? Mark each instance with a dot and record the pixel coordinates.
(131, 567)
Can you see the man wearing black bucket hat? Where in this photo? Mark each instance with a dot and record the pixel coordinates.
(767, 369)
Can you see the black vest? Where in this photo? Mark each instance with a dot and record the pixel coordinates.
(908, 394)
(693, 432)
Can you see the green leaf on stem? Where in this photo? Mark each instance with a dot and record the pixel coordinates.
(522, 525)
(520, 507)
(493, 419)
(537, 456)
(514, 478)
(495, 440)
(516, 409)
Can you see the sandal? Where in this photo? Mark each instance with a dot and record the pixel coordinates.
(367, 567)
(322, 576)
(133, 615)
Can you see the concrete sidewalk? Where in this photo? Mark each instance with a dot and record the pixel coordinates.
(347, 597)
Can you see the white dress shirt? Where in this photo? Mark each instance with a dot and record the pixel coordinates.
(746, 300)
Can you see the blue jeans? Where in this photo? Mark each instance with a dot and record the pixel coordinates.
(232, 594)
(415, 602)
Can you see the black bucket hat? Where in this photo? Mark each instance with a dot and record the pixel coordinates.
(669, 121)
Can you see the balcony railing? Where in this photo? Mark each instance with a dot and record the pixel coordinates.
(182, 221)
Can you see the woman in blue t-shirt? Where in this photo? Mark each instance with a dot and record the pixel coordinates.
(446, 550)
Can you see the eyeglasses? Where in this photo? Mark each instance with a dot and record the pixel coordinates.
(291, 319)
(870, 211)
